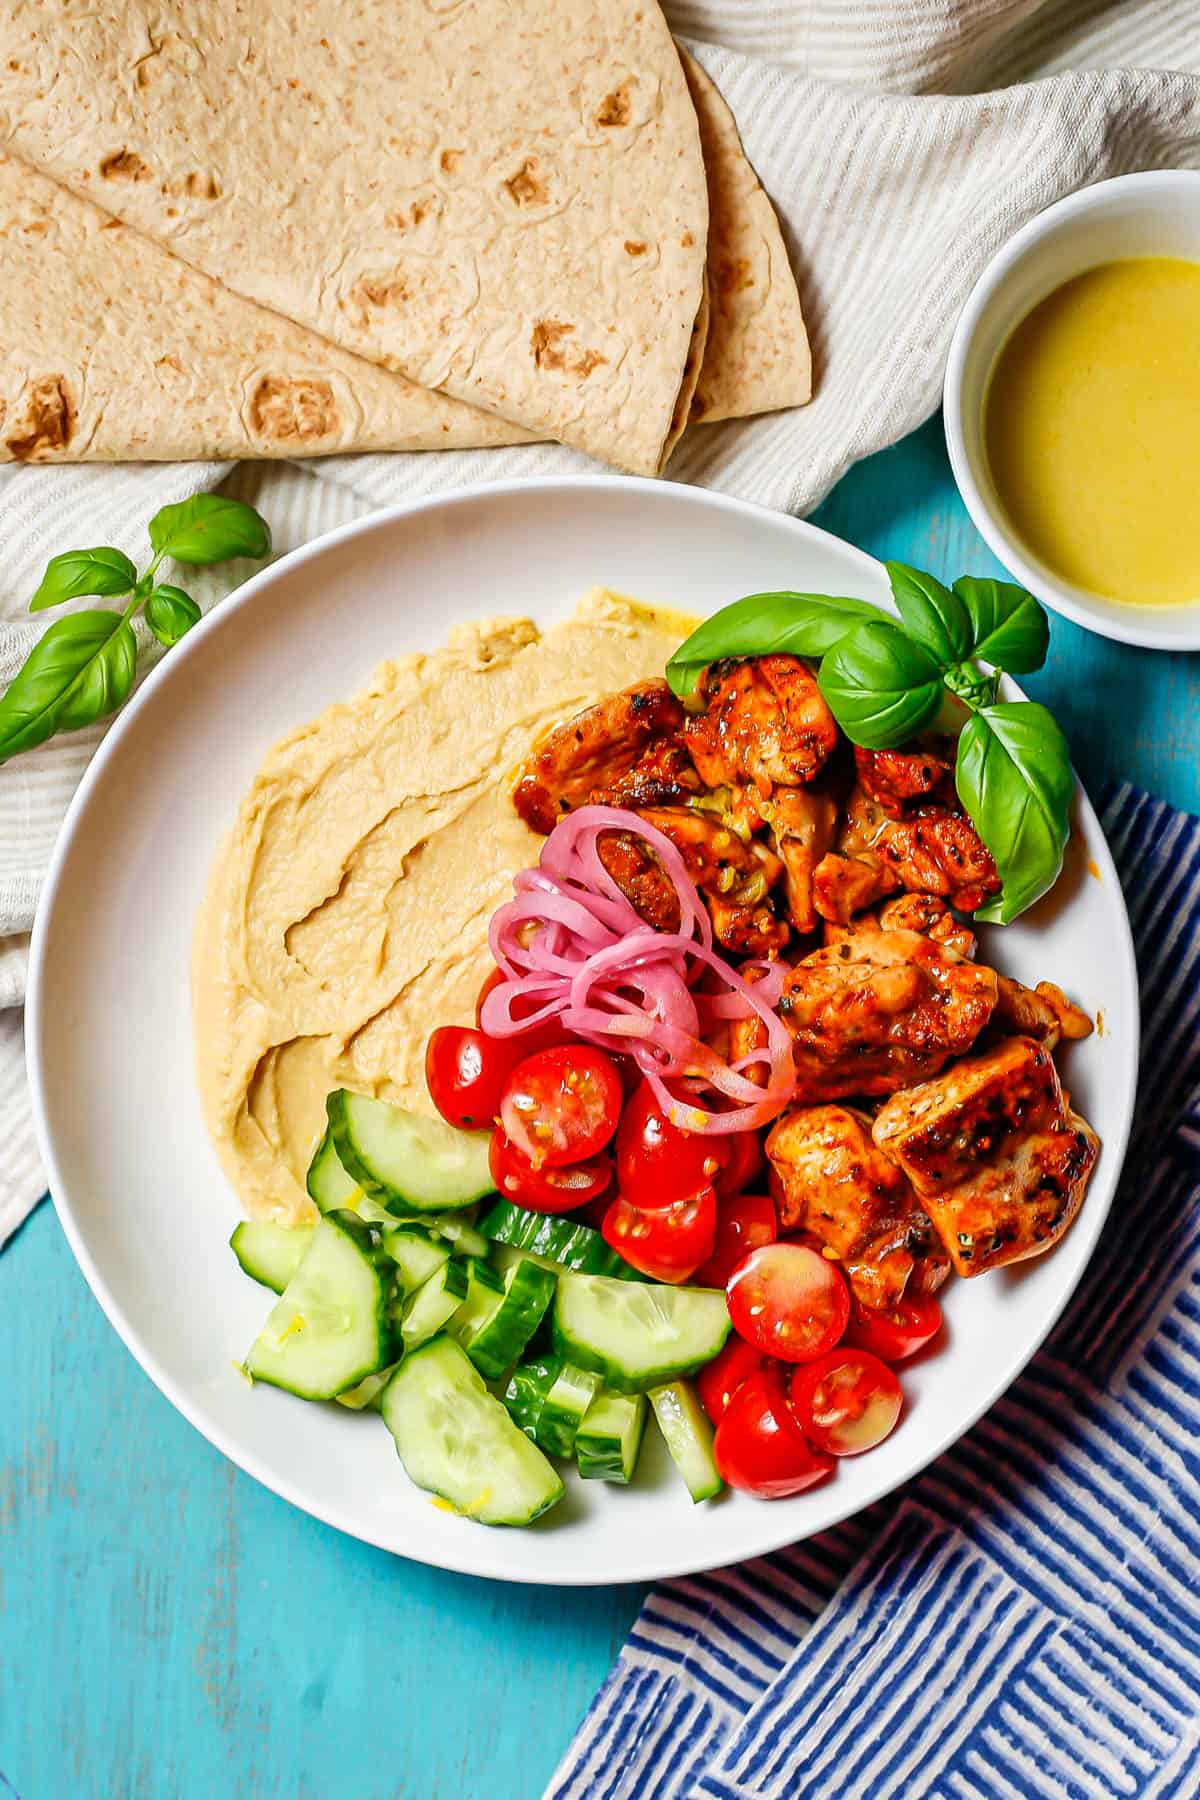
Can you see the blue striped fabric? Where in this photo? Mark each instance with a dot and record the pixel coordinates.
(1024, 1619)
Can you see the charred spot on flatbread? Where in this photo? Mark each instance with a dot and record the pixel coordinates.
(45, 419)
(124, 165)
(548, 341)
(295, 411)
(617, 108)
(527, 187)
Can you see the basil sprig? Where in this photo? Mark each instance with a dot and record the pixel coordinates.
(884, 682)
(84, 667)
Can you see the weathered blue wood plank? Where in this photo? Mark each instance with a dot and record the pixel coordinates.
(168, 1629)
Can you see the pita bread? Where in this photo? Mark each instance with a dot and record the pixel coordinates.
(115, 351)
(758, 358)
(499, 198)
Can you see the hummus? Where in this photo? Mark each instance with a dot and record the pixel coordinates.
(348, 910)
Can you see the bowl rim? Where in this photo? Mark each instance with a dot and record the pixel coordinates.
(1073, 603)
(479, 1562)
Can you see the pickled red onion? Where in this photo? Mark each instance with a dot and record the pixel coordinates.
(572, 947)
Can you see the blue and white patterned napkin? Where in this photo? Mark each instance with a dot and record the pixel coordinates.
(1024, 1618)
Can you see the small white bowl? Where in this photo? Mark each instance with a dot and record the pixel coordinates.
(1155, 214)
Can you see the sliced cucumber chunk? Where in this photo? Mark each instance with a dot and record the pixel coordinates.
(526, 1392)
(411, 1162)
(330, 1328)
(269, 1252)
(485, 1294)
(433, 1306)
(459, 1232)
(554, 1239)
(327, 1182)
(417, 1254)
(456, 1440)
(367, 1393)
(637, 1334)
(566, 1403)
(610, 1437)
(495, 1344)
(686, 1427)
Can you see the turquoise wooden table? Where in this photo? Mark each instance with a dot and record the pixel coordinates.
(170, 1629)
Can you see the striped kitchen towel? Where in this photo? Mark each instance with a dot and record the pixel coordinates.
(1024, 1617)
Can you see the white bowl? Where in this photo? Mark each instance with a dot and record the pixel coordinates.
(139, 1190)
(1155, 214)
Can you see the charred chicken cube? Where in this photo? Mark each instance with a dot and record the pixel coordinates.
(1043, 1012)
(764, 723)
(735, 878)
(934, 849)
(587, 756)
(995, 1153)
(831, 1181)
(880, 1010)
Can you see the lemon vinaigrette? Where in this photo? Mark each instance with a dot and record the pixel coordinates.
(1092, 428)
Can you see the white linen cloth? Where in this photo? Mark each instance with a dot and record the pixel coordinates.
(902, 141)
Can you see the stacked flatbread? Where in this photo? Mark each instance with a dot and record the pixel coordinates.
(236, 228)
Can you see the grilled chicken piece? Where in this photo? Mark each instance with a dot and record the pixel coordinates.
(994, 1152)
(764, 723)
(880, 1010)
(1043, 1013)
(934, 850)
(594, 751)
(734, 877)
(661, 777)
(802, 823)
(931, 916)
(831, 1181)
(892, 778)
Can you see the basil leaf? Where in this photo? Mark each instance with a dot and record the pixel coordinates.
(209, 528)
(798, 624)
(101, 571)
(1013, 775)
(83, 668)
(1009, 629)
(932, 615)
(170, 613)
(880, 686)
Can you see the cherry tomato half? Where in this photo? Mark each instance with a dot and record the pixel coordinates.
(847, 1402)
(719, 1380)
(666, 1242)
(758, 1445)
(744, 1222)
(788, 1301)
(900, 1332)
(464, 1072)
(657, 1163)
(561, 1106)
(745, 1161)
(545, 1190)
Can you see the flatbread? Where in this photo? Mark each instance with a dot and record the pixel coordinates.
(758, 358)
(499, 198)
(113, 350)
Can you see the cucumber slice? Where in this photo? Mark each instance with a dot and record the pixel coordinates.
(330, 1328)
(434, 1305)
(269, 1252)
(526, 1392)
(410, 1162)
(495, 1344)
(367, 1393)
(327, 1182)
(416, 1253)
(555, 1240)
(686, 1427)
(610, 1437)
(459, 1232)
(637, 1334)
(566, 1403)
(485, 1294)
(456, 1440)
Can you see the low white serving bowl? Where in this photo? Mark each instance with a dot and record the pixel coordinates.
(1154, 214)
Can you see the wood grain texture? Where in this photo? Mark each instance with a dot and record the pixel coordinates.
(169, 1629)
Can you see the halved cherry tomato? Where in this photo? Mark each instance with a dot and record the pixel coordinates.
(898, 1333)
(561, 1106)
(758, 1445)
(545, 1190)
(666, 1242)
(657, 1163)
(464, 1072)
(847, 1402)
(718, 1381)
(788, 1301)
(745, 1161)
(744, 1221)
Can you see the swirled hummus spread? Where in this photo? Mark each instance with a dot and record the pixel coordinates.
(348, 909)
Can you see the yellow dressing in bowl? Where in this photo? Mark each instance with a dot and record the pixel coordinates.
(1092, 430)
